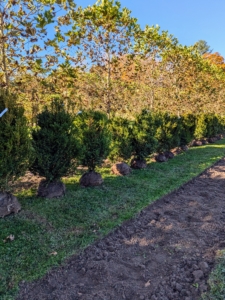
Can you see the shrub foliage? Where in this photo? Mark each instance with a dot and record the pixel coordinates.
(15, 143)
(54, 142)
(121, 143)
(168, 133)
(143, 137)
(95, 137)
(187, 129)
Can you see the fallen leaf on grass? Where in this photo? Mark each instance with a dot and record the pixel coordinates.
(147, 283)
(10, 238)
(53, 253)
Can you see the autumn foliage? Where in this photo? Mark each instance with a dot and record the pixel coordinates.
(99, 58)
(215, 59)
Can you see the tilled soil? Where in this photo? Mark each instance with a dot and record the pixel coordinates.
(165, 253)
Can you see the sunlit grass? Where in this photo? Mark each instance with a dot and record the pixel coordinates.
(64, 226)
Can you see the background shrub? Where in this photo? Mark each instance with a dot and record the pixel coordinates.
(143, 138)
(187, 129)
(15, 142)
(95, 137)
(168, 133)
(121, 143)
(212, 125)
(221, 120)
(200, 127)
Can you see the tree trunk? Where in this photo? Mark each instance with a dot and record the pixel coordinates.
(3, 54)
(108, 84)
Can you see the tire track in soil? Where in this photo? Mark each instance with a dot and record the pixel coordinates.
(165, 253)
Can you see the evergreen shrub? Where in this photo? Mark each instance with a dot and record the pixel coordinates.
(200, 127)
(143, 138)
(221, 120)
(168, 133)
(187, 129)
(54, 142)
(121, 143)
(95, 137)
(15, 142)
(212, 125)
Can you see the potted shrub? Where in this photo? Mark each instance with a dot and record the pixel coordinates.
(95, 138)
(121, 145)
(15, 150)
(56, 147)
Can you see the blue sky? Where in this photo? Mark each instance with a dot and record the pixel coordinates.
(187, 20)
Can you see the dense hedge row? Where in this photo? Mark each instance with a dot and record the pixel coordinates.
(160, 132)
(60, 141)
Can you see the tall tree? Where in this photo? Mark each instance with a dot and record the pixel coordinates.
(202, 47)
(216, 59)
(23, 35)
(101, 34)
(150, 46)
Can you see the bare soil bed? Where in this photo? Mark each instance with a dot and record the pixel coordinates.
(165, 253)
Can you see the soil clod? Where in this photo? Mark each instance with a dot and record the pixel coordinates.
(90, 179)
(161, 157)
(138, 164)
(121, 169)
(51, 190)
(8, 204)
(169, 154)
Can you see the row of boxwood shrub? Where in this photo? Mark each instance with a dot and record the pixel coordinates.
(60, 141)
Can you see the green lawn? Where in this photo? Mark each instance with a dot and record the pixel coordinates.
(69, 224)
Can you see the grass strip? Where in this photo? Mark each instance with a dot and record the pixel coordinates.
(216, 280)
(48, 231)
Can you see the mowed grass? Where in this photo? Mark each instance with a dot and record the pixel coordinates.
(47, 231)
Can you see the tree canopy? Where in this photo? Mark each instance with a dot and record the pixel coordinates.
(98, 57)
(202, 47)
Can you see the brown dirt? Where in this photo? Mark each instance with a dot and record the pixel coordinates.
(165, 253)
(29, 180)
(169, 154)
(121, 169)
(91, 178)
(138, 164)
(161, 158)
(51, 190)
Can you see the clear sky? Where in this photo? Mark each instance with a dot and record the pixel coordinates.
(188, 20)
